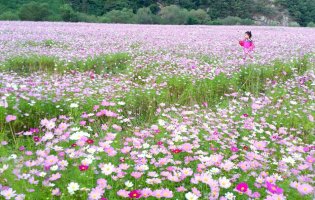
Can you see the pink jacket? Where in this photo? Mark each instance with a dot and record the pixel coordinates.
(247, 44)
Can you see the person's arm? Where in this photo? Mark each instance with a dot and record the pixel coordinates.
(241, 42)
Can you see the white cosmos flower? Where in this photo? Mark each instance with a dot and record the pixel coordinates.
(224, 182)
(128, 184)
(73, 187)
(54, 168)
(8, 193)
(78, 135)
(191, 196)
(121, 103)
(74, 105)
(229, 196)
(145, 145)
(161, 122)
(4, 167)
(107, 169)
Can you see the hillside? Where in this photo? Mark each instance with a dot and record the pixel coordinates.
(266, 12)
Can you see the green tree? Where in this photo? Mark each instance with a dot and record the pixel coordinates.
(144, 16)
(198, 17)
(173, 15)
(33, 11)
(68, 14)
(9, 16)
(121, 16)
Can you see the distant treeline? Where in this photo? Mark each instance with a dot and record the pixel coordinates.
(225, 12)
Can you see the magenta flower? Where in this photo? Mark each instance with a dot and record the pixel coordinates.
(36, 139)
(242, 187)
(83, 167)
(90, 141)
(274, 189)
(10, 118)
(134, 194)
(234, 149)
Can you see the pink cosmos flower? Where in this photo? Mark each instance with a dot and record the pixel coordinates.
(123, 193)
(187, 147)
(10, 118)
(181, 189)
(305, 189)
(136, 175)
(102, 183)
(51, 160)
(275, 197)
(56, 192)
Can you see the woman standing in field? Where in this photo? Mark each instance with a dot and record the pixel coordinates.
(248, 45)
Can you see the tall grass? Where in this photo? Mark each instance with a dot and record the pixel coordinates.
(112, 64)
(189, 91)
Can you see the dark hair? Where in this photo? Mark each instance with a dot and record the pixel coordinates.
(249, 33)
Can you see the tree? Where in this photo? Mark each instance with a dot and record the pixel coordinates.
(198, 17)
(121, 16)
(144, 16)
(68, 14)
(173, 15)
(155, 9)
(9, 16)
(34, 12)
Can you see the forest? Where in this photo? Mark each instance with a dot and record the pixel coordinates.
(224, 12)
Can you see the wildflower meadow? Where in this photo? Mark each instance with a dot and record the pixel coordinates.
(111, 112)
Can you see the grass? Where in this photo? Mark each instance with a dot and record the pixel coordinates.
(188, 91)
(111, 64)
(144, 103)
(48, 43)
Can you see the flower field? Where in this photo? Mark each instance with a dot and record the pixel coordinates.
(99, 111)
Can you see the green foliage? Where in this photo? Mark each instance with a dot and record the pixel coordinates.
(114, 63)
(68, 14)
(198, 17)
(144, 16)
(8, 15)
(164, 11)
(235, 21)
(34, 12)
(294, 24)
(121, 16)
(187, 91)
(311, 24)
(173, 15)
(302, 11)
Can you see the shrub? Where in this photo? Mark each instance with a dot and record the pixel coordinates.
(230, 20)
(68, 14)
(82, 17)
(144, 16)
(173, 15)
(9, 16)
(34, 12)
(311, 24)
(155, 9)
(198, 17)
(294, 24)
(247, 22)
(121, 16)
